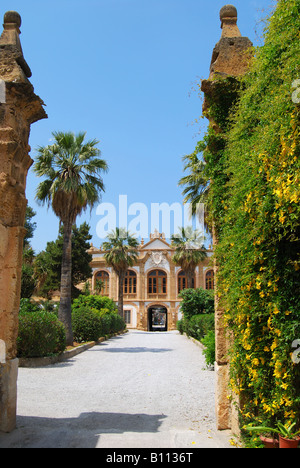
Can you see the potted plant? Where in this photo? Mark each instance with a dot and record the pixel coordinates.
(287, 438)
(269, 441)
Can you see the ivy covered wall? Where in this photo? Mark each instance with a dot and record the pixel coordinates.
(247, 171)
(255, 201)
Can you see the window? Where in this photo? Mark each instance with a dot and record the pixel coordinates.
(129, 286)
(157, 282)
(182, 281)
(127, 316)
(102, 283)
(209, 280)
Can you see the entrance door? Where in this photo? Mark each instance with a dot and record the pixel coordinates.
(157, 319)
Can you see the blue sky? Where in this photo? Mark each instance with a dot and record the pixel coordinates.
(126, 72)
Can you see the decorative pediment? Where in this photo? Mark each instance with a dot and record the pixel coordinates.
(157, 242)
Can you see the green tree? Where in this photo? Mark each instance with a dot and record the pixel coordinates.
(72, 170)
(48, 263)
(30, 225)
(28, 280)
(121, 253)
(189, 251)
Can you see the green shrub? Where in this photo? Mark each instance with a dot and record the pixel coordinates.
(106, 320)
(26, 306)
(196, 301)
(180, 326)
(209, 341)
(89, 324)
(40, 333)
(94, 302)
(86, 324)
(197, 326)
(118, 323)
(200, 325)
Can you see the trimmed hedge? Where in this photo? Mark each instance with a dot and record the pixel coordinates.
(202, 328)
(95, 302)
(94, 317)
(41, 334)
(197, 326)
(91, 324)
(86, 324)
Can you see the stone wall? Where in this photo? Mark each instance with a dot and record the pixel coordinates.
(19, 108)
(230, 58)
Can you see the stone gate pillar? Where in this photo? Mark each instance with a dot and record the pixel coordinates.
(19, 108)
(231, 57)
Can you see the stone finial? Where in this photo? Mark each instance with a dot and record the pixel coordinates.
(10, 38)
(228, 17)
(12, 18)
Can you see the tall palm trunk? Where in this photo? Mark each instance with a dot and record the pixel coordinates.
(120, 295)
(64, 313)
(189, 274)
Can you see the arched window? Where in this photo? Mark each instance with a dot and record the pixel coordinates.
(129, 286)
(182, 281)
(102, 283)
(157, 283)
(209, 280)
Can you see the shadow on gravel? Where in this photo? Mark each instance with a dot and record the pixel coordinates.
(81, 432)
(137, 349)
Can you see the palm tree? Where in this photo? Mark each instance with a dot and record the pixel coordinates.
(71, 167)
(196, 183)
(189, 251)
(121, 253)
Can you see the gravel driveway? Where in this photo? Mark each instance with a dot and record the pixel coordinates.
(138, 390)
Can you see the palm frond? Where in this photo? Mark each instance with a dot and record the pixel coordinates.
(72, 169)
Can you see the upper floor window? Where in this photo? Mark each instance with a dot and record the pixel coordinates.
(157, 282)
(209, 280)
(130, 281)
(182, 283)
(102, 283)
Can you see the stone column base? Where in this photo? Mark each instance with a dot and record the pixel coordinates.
(223, 406)
(8, 395)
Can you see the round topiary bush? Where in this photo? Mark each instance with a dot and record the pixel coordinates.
(87, 325)
(40, 334)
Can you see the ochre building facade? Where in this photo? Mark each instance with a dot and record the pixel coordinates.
(152, 286)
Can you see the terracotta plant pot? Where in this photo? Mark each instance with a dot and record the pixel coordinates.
(269, 442)
(288, 443)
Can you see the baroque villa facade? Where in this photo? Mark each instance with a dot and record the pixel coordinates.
(152, 286)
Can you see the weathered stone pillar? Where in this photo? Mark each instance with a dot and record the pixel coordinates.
(19, 108)
(230, 59)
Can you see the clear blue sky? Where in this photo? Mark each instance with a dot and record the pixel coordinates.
(124, 71)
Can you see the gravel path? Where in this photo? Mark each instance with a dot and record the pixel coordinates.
(138, 390)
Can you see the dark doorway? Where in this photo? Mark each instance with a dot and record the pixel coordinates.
(157, 318)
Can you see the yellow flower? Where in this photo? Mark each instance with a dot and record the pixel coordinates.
(274, 345)
(294, 198)
(282, 219)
